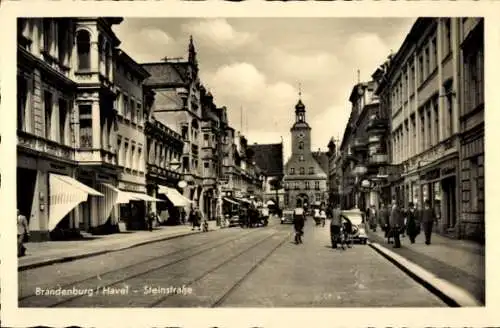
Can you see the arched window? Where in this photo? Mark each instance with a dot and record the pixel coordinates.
(83, 49)
(301, 145)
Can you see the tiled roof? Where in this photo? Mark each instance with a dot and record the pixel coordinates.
(269, 158)
(322, 159)
(166, 73)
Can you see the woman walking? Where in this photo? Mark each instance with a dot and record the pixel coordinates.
(22, 233)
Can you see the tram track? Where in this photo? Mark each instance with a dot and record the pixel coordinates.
(235, 286)
(217, 243)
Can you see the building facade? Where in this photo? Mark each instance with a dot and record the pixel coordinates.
(471, 219)
(305, 180)
(66, 125)
(422, 94)
(178, 106)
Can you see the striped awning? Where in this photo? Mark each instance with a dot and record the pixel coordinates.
(65, 193)
(123, 197)
(143, 197)
(174, 196)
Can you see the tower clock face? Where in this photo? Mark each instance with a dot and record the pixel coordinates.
(301, 135)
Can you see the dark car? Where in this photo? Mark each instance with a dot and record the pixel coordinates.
(287, 217)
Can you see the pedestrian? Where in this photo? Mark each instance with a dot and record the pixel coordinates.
(151, 219)
(298, 222)
(428, 219)
(193, 218)
(372, 215)
(384, 217)
(322, 216)
(396, 223)
(316, 216)
(335, 225)
(23, 233)
(412, 224)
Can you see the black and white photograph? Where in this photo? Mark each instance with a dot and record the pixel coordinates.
(248, 162)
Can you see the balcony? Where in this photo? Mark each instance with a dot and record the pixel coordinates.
(377, 125)
(359, 144)
(378, 159)
(44, 146)
(95, 156)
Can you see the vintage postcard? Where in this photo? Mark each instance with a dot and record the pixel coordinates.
(288, 167)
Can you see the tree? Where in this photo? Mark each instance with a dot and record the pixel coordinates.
(276, 184)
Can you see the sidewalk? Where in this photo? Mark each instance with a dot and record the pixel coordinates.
(51, 252)
(456, 263)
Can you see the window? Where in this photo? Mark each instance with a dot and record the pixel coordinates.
(205, 140)
(449, 108)
(47, 101)
(292, 171)
(434, 54)
(62, 39)
(422, 131)
(85, 126)
(307, 185)
(414, 135)
(119, 151)
(311, 170)
(126, 105)
(318, 197)
(126, 155)
(47, 34)
(316, 185)
(474, 75)
(140, 164)
(63, 120)
(447, 37)
(132, 110)
(436, 120)
(429, 127)
(301, 145)
(302, 171)
(185, 164)
(412, 79)
(420, 69)
(83, 49)
(301, 158)
(427, 62)
(138, 111)
(22, 103)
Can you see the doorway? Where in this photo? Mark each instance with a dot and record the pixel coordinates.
(449, 190)
(26, 181)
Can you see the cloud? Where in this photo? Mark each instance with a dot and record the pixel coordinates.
(218, 33)
(147, 44)
(303, 67)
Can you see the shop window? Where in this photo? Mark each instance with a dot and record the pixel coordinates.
(83, 49)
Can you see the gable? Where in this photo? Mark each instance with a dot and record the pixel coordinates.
(309, 161)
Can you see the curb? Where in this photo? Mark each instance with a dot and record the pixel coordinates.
(70, 258)
(449, 293)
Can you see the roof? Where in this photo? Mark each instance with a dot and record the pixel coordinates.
(167, 73)
(322, 159)
(269, 158)
(125, 59)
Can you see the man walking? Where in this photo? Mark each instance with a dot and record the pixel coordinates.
(396, 223)
(298, 222)
(22, 233)
(335, 225)
(428, 218)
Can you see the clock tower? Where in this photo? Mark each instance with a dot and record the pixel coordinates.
(305, 178)
(301, 131)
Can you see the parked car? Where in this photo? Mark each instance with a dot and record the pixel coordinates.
(287, 216)
(355, 216)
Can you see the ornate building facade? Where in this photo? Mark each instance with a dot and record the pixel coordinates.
(305, 180)
(178, 106)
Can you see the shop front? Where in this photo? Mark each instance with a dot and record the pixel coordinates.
(439, 186)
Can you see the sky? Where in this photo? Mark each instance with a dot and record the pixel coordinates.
(256, 66)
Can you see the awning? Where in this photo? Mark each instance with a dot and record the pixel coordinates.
(174, 196)
(244, 200)
(270, 202)
(123, 196)
(229, 200)
(65, 193)
(143, 197)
